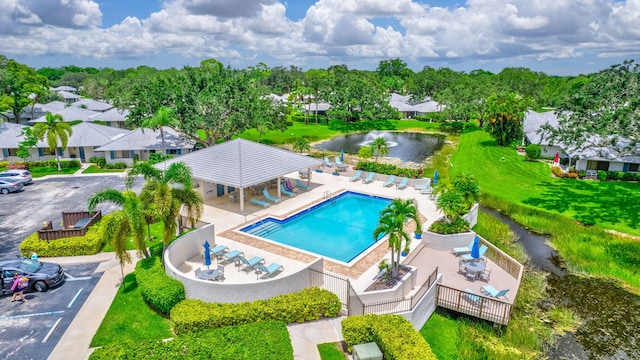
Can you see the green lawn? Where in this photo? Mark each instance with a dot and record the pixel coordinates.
(330, 351)
(156, 234)
(37, 172)
(95, 169)
(130, 318)
(606, 204)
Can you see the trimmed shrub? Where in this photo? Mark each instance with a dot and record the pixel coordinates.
(557, 171)
(533, 151)
(264, 340)
(157, 288)
(572, 175)
(307, 305)
(602, 175)
(582, 174)
(457, 226)
(389, 169)
(395, 336)
(4, 164)
(118, 165)
(89, 244)
(100, 161)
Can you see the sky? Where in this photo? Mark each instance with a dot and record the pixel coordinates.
(558, 37)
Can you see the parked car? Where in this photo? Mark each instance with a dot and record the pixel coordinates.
(42, 275)
(22, 175)
(10, 185)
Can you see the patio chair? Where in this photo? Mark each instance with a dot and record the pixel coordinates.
(268, 196)
(369, 178)
(286, 192)
(219, 250)
(327, 162)
(402, 184)
(302, 186)
(264, 204)
(461, 268)
(249, 265)
(288, 186)
(197, 272)
(489, 290)
(468, 257)
(269, 271)
(391, 181)
(426, 191)
(357, 176)
(337, 161)
(457, 251)
(427, 184)
(485, 275)
(468, 295)
(220, 275)
(231, 256)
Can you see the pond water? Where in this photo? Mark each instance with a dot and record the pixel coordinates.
(610, 316)
(407, 147)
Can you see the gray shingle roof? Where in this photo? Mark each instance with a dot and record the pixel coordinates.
(68, 95)
(532, 123)
(242, 163)
(91, 104)
(111, 115)
(89, 134)
(147, 140)
(10, 135)
(70, 113)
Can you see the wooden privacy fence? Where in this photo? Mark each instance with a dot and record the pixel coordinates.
(76, 224)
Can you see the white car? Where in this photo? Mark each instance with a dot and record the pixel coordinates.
(17, 174)
(10, 185)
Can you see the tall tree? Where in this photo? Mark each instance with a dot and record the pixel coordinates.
(162, 118)
(602, 113)
(57, 131)
(506, 114)
(391, 223)
(20, 86)
(172, 190)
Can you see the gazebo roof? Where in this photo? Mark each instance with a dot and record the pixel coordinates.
(242, 163)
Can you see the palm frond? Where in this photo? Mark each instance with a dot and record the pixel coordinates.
(107, 194)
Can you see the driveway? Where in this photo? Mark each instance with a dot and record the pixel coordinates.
(22, 213)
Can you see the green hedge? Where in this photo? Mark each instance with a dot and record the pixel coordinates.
(89, 244)
(457, 226)
(307, 305)
(157, 288)
(394, 335)
(264, 340)
(389, 169)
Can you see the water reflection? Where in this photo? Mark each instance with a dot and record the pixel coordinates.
(408, 147)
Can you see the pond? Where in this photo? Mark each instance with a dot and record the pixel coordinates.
(407, 147)
(610, 316)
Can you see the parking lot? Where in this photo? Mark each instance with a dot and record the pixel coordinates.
(32, 329)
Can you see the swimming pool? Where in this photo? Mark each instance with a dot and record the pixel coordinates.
(340, 228)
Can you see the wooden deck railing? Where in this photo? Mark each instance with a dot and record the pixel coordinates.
(69, 219)
(504, 261)
(477, 305)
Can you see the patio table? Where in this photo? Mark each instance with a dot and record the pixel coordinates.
(474, 269)
(209, 274)
(342, 167)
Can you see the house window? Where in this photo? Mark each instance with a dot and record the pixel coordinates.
(47, 151)
(172, 151)
(633, 167)
(124, 154)
(603, 165)
(14, 152)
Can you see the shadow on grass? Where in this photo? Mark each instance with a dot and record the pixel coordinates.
(490, 143)
(591, 202)
(130, 283)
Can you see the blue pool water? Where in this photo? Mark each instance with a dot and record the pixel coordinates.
(340, 228)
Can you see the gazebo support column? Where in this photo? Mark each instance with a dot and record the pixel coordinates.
(241, 199)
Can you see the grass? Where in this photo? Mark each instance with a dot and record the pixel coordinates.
(156, 234)
(331, 351)
(441, 333)
(37, 172)
(130, 318)
(605, 204)
(95, 169)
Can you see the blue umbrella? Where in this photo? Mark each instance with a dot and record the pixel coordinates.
(435, 177)
(342, 155)
(207, 253)
(475, 249)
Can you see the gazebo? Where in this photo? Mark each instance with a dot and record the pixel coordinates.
(243, 163)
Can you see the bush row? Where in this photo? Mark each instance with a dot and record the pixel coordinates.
(394, 335)
(102, 163)
(4, 164)
(602, 175)
(264, 340)
(157, 288)
(89, 244)
(389, 169)
(307, 305)
(444, 227)
(51, 163)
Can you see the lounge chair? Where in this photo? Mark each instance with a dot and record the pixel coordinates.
(391, 181)
(403, 184)
(269, 271)
(286, 192)
(301, 185)
(327, 162)
(489, 290)
(426, 191)
(468, 257)
(264, 204)
(457, 251)
(219, 250)
(231, 256)
(337, 161)
(268, 196)
(468, 295)
(369, 178)
(357, 176)
(288, 186)
(427, 184)
(249, 265)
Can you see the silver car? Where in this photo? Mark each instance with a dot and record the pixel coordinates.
(8, 185)
(17, 174)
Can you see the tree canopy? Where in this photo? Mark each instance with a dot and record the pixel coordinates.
(20, 86)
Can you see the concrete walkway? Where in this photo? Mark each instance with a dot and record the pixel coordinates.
(306, 337)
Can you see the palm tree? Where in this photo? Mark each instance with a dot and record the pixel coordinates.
(380, 147)
(163, 117)
(467, 186)
(301, 144)
(172, 190)
(131, 223)
(391, 223)
(55, 129)
(451, 203)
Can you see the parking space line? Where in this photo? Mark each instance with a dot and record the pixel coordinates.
(74, 298)
(73, 278)
(30, 315)
(46, 338)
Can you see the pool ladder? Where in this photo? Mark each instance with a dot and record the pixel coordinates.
(258, 217)
(329, 195)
